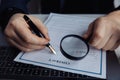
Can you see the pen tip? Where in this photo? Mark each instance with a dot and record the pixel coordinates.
(52, 49)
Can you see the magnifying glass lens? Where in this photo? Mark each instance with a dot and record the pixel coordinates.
(74, 47)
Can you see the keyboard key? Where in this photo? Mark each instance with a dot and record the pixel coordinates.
(54, 73)
(17, 64)
(36, 72)
(32, 66)
(80, 75)
(45, 72)
(63, 74)
(72, 75)
(9, 64)
(25, 65)
(27, 71)
(18, 71)
(10, 71)
(84, 76)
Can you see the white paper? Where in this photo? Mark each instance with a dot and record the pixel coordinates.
(117, 52)
(94, 64)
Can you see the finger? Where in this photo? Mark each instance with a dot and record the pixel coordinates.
(26, 35)
(18, 46)
(26, 45)
(89, 31)
(111, 43)
(98, 34)
(41, 27)
(103, 41)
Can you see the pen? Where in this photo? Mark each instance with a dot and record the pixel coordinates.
(37, 31)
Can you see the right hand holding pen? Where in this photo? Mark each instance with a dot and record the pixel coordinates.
(18, 33)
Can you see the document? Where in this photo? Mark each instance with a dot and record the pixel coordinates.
(60, 25)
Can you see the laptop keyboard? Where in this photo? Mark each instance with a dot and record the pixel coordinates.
(20, 71)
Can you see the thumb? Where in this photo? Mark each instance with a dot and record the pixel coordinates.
(89, 31)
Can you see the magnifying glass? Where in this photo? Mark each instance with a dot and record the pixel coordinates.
(74, 47)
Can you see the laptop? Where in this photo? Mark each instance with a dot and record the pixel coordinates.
(10, 70)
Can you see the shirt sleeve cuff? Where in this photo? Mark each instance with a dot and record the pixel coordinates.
(6, 15)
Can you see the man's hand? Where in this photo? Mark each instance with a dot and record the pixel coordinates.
(18, 33)
(105, 32)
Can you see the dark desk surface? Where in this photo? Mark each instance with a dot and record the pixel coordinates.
(113, 66)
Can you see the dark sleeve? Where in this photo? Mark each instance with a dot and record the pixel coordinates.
(10, 7)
